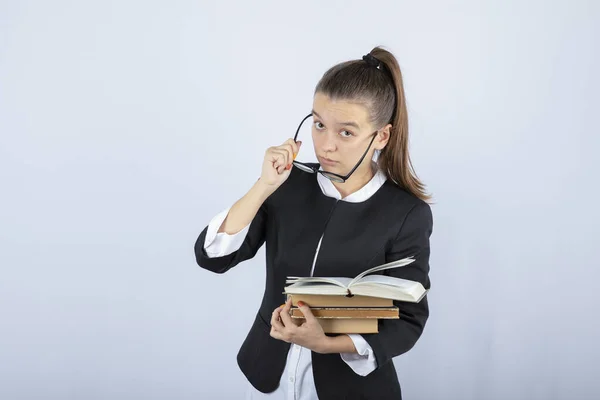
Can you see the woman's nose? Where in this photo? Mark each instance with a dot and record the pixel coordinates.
(328, 143)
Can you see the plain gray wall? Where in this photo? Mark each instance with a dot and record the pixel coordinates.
(126, 125)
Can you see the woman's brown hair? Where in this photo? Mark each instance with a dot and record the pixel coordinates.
(381, 91)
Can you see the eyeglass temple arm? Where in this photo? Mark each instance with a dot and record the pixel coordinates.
(361, 159)
(300, 126)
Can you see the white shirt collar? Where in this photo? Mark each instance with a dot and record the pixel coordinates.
(362, 194)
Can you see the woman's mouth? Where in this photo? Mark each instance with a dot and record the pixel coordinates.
(327, 161)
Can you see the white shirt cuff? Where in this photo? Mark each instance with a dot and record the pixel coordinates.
(219, 244)
(363, 362)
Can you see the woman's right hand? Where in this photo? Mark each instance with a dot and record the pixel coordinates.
(277, 163)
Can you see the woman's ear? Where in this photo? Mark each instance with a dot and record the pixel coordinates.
(383, 136)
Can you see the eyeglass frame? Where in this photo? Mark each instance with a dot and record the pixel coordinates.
(315, 170)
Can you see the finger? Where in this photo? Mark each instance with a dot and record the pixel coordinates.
(274, 316)
(295, 146)
(278, 158)
(275, 334)
(275, 322)
(287, 321)
(277, 155)
(281, 156)
(272, 156)
(285, 314)
(290, 142)
(307, 312)
(289, 149)
(291, 155)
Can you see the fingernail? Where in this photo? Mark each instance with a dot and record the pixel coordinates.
(281, 306)
(289, 166)
(301, 304)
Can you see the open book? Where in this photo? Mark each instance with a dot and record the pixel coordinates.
(382, 286)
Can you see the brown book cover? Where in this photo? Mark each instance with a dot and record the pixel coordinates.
(349, 312)
(356, 325)
(321, 300)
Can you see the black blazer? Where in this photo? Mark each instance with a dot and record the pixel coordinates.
(390, 225)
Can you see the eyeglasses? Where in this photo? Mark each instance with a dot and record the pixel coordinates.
(329, 175)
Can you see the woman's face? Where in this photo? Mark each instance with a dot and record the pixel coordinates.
(341, 133)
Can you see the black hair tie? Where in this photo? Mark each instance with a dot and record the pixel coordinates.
(372, 61)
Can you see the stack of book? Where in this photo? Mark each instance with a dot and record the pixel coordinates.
(353, 305)
(342, 314)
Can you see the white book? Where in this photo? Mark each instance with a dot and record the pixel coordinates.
(382, 286)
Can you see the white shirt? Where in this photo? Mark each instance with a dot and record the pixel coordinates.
(297, 382)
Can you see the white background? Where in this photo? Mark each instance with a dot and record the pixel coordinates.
(126, 125)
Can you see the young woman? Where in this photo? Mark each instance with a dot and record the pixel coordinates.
(360, 206)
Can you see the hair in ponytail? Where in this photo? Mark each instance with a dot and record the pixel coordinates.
(381, 90)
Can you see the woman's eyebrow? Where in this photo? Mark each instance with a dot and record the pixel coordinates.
(349, 123)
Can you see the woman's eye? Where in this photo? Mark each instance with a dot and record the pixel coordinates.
(346, 133)
(318, 125)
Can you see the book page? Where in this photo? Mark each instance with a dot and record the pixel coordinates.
(342, 282)
(403, 284)
(323, 288)
(390, 288)
(388, 292)
(394, 264)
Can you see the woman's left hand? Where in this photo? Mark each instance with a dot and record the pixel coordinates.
(309, 334)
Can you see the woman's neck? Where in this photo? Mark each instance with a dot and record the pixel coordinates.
(356, 181)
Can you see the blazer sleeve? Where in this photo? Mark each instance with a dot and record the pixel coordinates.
(254, 239)
(397, 336)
